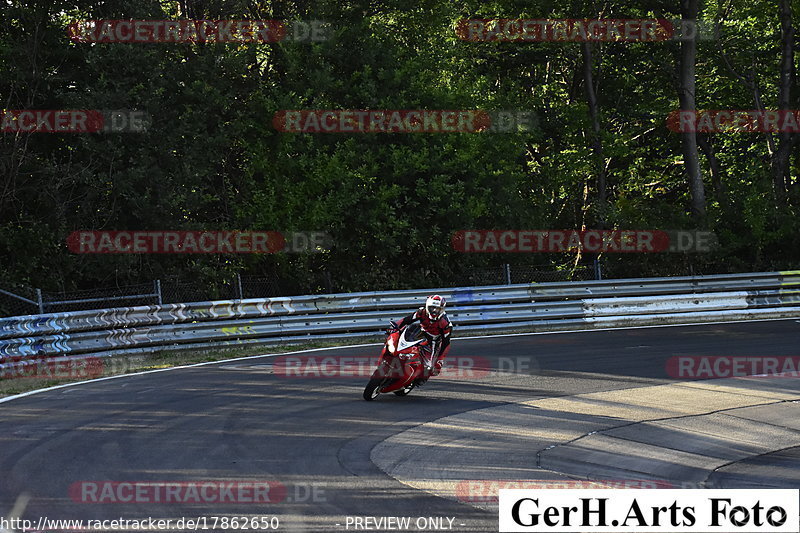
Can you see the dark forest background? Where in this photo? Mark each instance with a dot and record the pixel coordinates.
(600, 157)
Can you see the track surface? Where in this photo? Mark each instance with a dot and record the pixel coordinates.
(240, 421)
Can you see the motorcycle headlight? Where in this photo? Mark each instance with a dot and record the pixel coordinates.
(390, 345)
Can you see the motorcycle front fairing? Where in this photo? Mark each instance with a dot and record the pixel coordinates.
(401, 358)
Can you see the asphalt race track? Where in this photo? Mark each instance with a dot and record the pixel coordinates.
(569, 406)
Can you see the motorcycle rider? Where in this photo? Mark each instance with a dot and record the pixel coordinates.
(437, 327)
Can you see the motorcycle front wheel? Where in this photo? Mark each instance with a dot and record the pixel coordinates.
(373, 388)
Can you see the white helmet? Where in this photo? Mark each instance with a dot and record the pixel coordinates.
(434, 306)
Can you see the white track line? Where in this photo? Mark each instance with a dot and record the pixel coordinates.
(195, 365)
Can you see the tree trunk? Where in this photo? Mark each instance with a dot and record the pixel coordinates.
(686, 93)
(597, 144)
(704, 141)
(780, 159)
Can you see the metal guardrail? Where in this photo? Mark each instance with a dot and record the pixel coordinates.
(609, 303)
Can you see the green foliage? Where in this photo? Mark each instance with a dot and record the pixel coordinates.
(211, 158)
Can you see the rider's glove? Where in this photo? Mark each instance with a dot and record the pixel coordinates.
(392, 327)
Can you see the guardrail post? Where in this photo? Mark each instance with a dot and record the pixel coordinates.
(508, 274)
(598, 274)
(239, 285)
(40, 301)
(158, 291)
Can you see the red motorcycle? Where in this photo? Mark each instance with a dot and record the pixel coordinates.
(404, 364)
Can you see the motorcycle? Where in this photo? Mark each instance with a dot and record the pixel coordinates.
(405, 363)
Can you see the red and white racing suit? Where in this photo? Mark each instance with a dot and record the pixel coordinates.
(438, 331)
